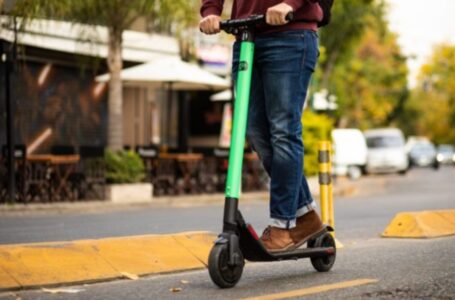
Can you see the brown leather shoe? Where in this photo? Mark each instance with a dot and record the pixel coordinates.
(276, 239)
(308, 226)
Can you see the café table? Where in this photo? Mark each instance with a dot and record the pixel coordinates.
(188, 165)
(60, 168)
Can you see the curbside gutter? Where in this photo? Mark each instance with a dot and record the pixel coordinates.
(57, 263)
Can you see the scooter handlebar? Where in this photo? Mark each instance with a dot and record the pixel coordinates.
(233, 26)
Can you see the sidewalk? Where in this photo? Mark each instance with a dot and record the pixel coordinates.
(342, 188)
(58, 263)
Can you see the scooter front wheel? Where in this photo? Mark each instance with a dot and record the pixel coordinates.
(323, 264)
(222, 273)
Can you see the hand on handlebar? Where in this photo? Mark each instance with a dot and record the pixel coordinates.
(210, 24)
(276, 15)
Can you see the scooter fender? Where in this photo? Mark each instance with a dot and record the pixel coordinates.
(232, 240)
(221, 240)
(329, 228)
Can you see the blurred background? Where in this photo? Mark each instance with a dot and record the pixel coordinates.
(96, 93)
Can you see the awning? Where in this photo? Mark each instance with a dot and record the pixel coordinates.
(170, 71)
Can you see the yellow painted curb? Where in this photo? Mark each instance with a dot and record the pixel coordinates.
(424, 224)
(46, 264)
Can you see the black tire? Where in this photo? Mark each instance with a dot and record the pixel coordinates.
(323, 264)
(222, 274)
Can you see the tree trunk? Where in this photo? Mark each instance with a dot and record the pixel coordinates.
(115, 102)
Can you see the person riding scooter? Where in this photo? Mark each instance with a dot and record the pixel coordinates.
(285, 59)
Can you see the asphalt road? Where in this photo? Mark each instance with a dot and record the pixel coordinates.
(359, 217)
(398, 268)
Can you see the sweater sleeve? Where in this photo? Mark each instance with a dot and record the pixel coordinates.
(297, 4)
(211, 7)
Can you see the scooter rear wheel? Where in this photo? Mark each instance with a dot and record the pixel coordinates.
(323, 264)
(222, 274)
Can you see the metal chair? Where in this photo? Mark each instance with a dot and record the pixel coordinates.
(149, 154)
(207, 176)
(91, 175)
(164, 177)
(222, 156)
(20, 154)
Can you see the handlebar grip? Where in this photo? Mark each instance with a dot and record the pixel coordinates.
(234, 25)
(290, 16)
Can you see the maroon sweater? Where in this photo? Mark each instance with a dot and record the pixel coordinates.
(303, 10)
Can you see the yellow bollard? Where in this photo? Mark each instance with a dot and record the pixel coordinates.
(325, 186)
(325, 183)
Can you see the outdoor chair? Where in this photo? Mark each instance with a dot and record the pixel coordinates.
(222, 157)
(91, 175)
(37, 183)
(164, 179)
(20, 154)
(207, 176)
(149, 154)
(70, 192)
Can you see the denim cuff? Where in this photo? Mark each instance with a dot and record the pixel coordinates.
(305, 209)
(283, 224)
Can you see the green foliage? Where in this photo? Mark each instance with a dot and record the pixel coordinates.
(117, 15)
(350, 18)
(431, 110)
(362, 65)
(124, 167)
(316, 128)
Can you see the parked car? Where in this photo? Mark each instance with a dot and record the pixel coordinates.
(412, 140)
(386, 151)
(423, 154)
(446, 154)
(350, 152)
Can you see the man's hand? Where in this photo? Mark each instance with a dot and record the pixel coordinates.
(210, 24)
(276, 15)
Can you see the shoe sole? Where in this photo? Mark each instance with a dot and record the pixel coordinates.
(316, 234)
(288, 248)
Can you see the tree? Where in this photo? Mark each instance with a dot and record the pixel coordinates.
(349, 20)
(431, 109)
(363, 65)
(117, 16)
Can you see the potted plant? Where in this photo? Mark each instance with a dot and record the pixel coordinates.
(124, 174)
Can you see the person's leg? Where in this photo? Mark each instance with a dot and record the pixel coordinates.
(258, 131)
(258, 127)
(281, 59)
(287, 63)
(308, 223)
(305, 200)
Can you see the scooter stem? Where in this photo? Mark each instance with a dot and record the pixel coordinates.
(242, 97)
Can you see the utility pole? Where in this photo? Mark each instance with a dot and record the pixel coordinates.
(7, 55)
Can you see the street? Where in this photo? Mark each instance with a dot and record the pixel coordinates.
(395, 268)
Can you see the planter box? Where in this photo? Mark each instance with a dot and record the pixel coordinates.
(129, 192)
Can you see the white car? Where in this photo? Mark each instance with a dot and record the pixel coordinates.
(386, 151)
(350, 152)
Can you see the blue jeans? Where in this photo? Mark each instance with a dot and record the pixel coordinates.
(283, 65)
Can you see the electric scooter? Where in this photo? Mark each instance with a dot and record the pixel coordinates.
(239, 241)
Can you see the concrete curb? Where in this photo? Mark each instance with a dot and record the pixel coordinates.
(103, 206)
(50, 264)
(424, 224)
